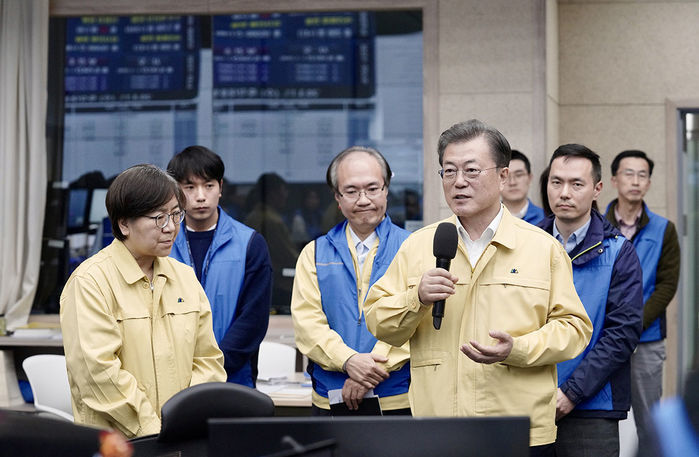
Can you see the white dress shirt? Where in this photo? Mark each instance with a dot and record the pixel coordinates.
(362, 247)
(476, 248)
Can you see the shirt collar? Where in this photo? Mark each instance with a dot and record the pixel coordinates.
(575, 238)
(190, 229)
(128, 267)
(368, 241)
(488, 233)
(621, 222)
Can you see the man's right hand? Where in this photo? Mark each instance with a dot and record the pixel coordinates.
(353, 393)
(436, 284)
(362, 368)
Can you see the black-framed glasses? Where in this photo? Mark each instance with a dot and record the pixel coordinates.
(630, 174)
(354, 195)
(470, 174)
(161, 220)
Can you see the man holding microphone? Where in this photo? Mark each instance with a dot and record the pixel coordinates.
(511, 309)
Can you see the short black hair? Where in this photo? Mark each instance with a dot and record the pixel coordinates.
(543, 191)
(578, 150)
(472, 129)
(331, 173)
(631, 153)
(196, 161)
(516, 155)
(137, 191)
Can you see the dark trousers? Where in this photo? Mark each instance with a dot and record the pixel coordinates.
(315, 411)
(587, 437)
(545, 450)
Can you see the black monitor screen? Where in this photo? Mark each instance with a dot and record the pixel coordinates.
(77, 208)
(363, 436)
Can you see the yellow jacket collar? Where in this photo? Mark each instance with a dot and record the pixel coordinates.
(505, 234)
(128, 267)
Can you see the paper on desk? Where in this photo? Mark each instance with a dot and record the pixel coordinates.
(272, 378)
(335, 395)
(37, 333)
(293, 392)
(269, 388)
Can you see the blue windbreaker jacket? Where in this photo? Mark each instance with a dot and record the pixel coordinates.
(608, 279)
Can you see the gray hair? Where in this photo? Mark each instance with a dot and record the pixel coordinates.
(469, 130)
(331, 174)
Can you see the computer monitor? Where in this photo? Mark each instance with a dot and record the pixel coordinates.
(78, 200)
(370, 435)
(98, 209)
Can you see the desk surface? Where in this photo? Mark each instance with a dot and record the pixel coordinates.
(295, 392)
(10, 342)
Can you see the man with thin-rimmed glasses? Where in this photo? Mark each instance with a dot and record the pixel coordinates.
(511, 309)
(658, 248)
(333, 275)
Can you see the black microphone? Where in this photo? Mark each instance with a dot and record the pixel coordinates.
(444, 249)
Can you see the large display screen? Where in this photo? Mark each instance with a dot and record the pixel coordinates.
(322, 55)
(273, 94)
(131, 58)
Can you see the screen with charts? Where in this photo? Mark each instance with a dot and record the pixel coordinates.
(275, 92)
(276, 95)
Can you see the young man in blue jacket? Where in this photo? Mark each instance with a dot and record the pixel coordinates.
(515, 193)
(594, 390)
(230, 259)
(658, 249)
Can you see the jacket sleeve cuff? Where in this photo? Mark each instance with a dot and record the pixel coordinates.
(573, 396)
(150, 427)
(518, 354)
(345, 356)
(413, 301)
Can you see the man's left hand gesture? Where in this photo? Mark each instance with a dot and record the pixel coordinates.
(489, 354)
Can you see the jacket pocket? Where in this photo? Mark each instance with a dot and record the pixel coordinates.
(513, 304)
(432, 384)
(434, 362)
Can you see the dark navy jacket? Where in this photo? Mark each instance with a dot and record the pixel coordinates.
(608, 279)
(237, 279)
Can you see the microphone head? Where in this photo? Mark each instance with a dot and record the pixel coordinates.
(445, 241)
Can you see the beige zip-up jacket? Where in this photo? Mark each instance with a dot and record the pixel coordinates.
(129, 348)
(522, 284)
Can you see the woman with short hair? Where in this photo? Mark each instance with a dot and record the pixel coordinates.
(136, 324)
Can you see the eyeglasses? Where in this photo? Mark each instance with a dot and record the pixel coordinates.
(161, 220)
(354, 195)
(629, 174)
(470, 174)
(517, 176)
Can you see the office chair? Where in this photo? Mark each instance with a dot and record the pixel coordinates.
(184, 429)
(27, 434)
(184, 415)
(48, 379)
